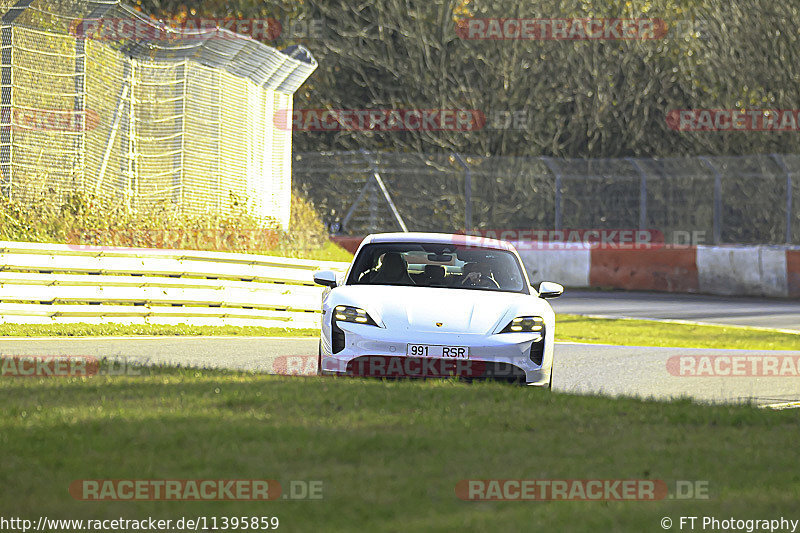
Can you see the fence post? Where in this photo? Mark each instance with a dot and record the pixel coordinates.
(179, 159)
(349, 214)
(373, 207)
(551, 164)
(782, 164)
(467, 192)
(6, 140)
(79, 99)
(642, 193)
(378, 181)
(717, 214)
(382, 186)
(219, 142)
(80, 109)
(112, 133)
(131, 186)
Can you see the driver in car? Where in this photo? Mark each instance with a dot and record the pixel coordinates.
(478, 275)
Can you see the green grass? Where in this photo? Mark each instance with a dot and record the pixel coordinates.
(389, 454)
(329, 251)
(105, 330)
(569, 328)
(655, 333)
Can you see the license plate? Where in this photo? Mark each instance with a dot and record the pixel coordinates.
(434, 350)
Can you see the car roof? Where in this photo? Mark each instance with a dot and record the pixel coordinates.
(439, 238)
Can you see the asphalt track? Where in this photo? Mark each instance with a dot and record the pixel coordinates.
(741, 311)
(599, 369)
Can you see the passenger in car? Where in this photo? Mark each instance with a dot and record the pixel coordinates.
(393, 270)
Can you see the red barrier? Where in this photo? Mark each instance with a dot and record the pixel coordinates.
(793, 272)
(673, 270)
(350, 244)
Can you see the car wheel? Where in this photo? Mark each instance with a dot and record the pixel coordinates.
(319, 359)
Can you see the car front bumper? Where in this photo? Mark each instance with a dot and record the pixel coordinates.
(371, 351)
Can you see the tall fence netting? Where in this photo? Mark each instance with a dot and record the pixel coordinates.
(734, 199)
(183, 118)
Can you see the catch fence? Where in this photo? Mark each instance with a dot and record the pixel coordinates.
(98, 98)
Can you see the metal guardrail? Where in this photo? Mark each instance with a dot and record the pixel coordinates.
(59, 283)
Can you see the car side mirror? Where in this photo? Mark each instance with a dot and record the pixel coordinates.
(326, 278)
(548, 289)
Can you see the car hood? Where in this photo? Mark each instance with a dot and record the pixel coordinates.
(423, 308)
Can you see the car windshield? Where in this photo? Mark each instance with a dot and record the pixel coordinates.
(438, 265)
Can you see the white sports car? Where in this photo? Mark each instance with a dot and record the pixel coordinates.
(426, 305)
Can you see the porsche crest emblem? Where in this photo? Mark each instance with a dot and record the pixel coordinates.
(439, 324)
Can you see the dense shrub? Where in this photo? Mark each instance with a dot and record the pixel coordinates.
(81, 218)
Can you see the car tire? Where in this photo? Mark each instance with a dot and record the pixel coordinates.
(550, 383)
(319, 359)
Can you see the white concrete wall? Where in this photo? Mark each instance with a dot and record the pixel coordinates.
(564, 263)
(742, 270)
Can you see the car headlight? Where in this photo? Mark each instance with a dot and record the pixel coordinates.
(525, 324)
(356, 315)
